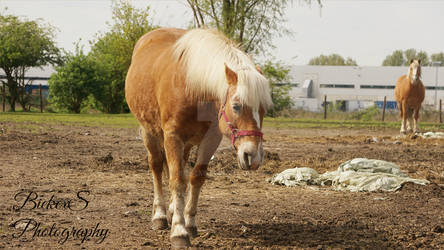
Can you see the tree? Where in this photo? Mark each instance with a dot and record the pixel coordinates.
(276, 73)
(72, 84)
(113, 51)
(24, 44)
(395, 59)
(438, 57)
(402, 58)
(252, 23)
(333, 59)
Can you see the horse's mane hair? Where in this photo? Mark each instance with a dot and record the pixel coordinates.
(203, 53)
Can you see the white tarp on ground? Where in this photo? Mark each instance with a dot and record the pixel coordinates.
(359, 174)
(433, 135)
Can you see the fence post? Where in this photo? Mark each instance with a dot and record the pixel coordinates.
(325, 107)
(41, 99)
(4, 96)
(440, 110)
(383, 107)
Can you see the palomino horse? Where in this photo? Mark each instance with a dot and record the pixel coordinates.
(409, 93)
(189, 88)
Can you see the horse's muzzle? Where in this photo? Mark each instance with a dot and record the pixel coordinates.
(249, 157)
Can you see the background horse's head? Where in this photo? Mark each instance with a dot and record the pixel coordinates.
(414, 73)
(241, 122)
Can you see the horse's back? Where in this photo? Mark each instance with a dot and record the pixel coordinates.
(151, 62)
(159, 37)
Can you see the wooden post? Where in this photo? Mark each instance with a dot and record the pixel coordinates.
(440, 110)
(41, 99)
(383, 107)
(325, 107)
(4, 96)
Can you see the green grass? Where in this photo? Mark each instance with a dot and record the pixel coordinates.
(89, 120)
(36, 120)
(282, 122)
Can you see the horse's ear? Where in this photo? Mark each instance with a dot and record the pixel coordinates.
(230, 75)
(411, 61)
(419, 61)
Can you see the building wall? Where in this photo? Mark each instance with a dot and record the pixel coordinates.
(362, 85)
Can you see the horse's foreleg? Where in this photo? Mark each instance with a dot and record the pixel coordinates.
(415, 126)
(197, 177)
(403, 117)
(174, 150)
(409, 120)
(186, 154)
(155, 162)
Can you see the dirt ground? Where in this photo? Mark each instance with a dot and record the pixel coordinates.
(83, 187)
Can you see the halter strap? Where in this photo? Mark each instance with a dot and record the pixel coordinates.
(236, 133)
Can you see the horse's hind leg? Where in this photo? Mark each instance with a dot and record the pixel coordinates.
(197, 177)
(156, 161)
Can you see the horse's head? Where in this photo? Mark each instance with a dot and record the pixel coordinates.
(414, 73)
(242, 124)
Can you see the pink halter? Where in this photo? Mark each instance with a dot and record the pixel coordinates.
(236, 133)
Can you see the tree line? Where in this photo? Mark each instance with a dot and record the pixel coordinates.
(397, 58)
(95, 80)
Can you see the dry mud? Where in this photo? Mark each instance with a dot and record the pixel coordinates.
(102, 182)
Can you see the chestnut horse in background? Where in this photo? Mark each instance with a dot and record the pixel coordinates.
(189, 88)
(409, 93)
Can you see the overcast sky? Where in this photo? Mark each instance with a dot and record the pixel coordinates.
(365, 30)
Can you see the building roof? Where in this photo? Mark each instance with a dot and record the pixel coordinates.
(37, 75)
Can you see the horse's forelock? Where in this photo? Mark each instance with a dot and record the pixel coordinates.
(204, 53)
(417, 64)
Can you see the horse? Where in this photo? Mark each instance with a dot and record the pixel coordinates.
(190, 88)
(409, 94)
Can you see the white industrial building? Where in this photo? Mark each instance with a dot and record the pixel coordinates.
(356, 87)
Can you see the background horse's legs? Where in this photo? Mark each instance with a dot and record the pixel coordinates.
(155, 162)
(197, 177)
(416, 127)
(174, 150)
(403, 117)
(410, 120)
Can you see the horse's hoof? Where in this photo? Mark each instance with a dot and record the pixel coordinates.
(192, 231)
(160, 224)
(180, 242)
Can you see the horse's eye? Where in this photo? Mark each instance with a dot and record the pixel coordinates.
(237, 107)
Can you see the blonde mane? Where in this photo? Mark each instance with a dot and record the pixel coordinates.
(203, 53)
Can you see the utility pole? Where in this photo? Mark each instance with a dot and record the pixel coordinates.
(436, 64)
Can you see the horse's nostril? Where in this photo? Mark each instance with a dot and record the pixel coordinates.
(247, 159)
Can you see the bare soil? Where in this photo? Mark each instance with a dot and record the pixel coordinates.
(100, 186)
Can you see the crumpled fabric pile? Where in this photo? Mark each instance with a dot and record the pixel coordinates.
(356, 175)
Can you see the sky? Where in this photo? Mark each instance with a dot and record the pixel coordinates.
(365, 30)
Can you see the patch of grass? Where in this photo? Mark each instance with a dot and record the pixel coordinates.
(88, 120)
(282, 122)
(37, 121)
